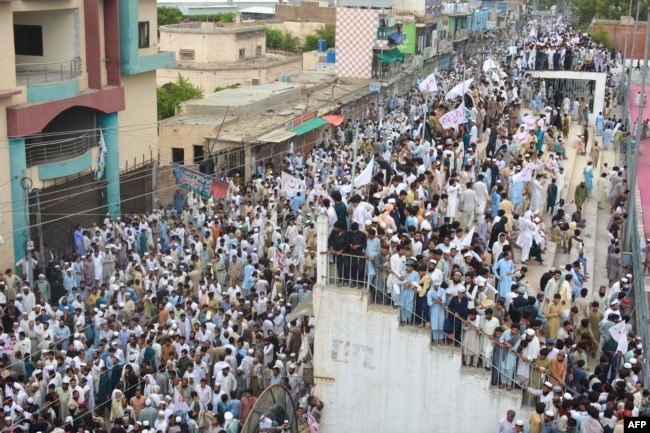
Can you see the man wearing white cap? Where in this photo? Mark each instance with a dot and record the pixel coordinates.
(528, 355)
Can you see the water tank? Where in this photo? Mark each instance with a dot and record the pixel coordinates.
(331, 56)
(322, 45)
(285, 78)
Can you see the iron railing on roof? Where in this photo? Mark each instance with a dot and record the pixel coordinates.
(50, 72)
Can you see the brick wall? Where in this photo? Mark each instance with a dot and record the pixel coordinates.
(307, 11)
(617, 32)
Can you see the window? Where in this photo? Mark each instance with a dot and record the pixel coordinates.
(258, 50)
(186, 54)
(143, 34)
(198, 154)
(28, 40)
(242, 53)
(178, 155)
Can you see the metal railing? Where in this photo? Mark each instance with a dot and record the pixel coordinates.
(61, 149)
(51, 72)
(506, 368)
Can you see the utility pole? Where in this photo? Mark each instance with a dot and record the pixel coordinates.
(354, 156)
(26, 184)
(631, 160)
(41, 250)
(626, 83)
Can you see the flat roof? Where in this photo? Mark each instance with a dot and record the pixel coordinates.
(244, 95)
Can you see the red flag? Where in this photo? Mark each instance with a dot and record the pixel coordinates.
(218, 189)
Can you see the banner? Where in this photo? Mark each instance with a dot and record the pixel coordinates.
(619, 334)
(199, 183)
(290, 184)
(179, 402)
(454, 118)
(429, 84)
(525, 175)
(101, 157)
(528, 122)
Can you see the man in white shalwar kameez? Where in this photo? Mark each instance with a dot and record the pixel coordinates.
(488, 324)
(525, 239)
(536, 197)
(528, 355)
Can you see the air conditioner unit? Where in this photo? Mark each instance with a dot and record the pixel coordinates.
(255, 81)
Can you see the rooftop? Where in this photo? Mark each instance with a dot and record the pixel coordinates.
(213, 27)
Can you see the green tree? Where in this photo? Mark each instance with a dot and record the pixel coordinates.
(599, 34)
(169, 15)
(278, 40)
(326, 32)
(170, 95)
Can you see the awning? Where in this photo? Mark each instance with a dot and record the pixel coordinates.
(277, 136)
(308, 126)
(304, 308)
(334, 119)
(391, 56)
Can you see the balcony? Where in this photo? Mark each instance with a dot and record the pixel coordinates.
(455, 9)
(51, 72)
(62, 148)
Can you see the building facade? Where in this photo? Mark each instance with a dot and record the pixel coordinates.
(212, 55)
(70, 69)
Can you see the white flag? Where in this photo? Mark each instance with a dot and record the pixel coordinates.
(179, 402)
(619, 334)
(454, 118)
(290, 184)
(365, 176)
(467, 239)
(429, 84)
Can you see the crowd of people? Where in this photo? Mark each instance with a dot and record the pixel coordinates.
(177, 320)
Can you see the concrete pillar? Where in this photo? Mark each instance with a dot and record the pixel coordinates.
(108, 124)
(17, 168)
(322, 259)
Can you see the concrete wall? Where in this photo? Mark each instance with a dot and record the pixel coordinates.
(212, 46)
(61, 35)
(307, 11)
(221, 77)
(138, 123)
(8, 64)
(387, 378)
(599, 91)
(148, 11)
(298, 28)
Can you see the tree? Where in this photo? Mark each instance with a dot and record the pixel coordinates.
(326, 32)
(170, 95)
(276, 39)
(169, 15)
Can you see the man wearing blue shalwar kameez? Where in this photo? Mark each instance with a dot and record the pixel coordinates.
(517, 194)
(503, 271)
(407, 293)
(436, 301)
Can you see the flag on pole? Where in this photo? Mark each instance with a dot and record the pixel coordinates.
(101, 157)
(179, 402)
(429, 84)
(619, 334)
(365, 176)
